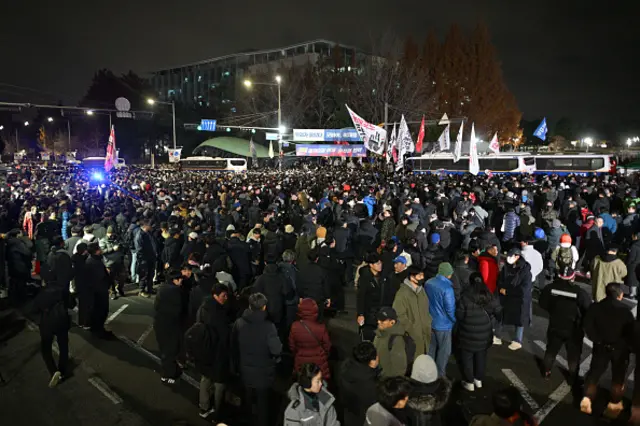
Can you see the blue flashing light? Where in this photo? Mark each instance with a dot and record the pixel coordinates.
(97, 176)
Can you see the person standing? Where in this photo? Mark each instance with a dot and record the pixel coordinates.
(609, 324)
(476, 313)
(488, 267)
(391, 408)
(442, 307)
(82, 286)
(515, 289)
(145, 251)
(310, 401)
(357, 382)
(256, 348)
(113, 258)
(167, 324)
(412, 306)
(390, 345)
(98, 280)
(567, 306)
(606, 269)
(312, 282)
(214, 366)
(309, 340)
(374, 292)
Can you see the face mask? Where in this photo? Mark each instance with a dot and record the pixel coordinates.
(511, 260)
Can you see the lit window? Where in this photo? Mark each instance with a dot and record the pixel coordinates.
(227, 73)
(186, 79)
(171, 93)
(213, 86)
(199, 78)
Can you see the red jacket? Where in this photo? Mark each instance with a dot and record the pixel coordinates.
(305, 347)
(583, 231)
(488, 268)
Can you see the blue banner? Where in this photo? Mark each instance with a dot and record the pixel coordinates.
(541, 131)
(331, 151)
(208, 125)
(326, 135)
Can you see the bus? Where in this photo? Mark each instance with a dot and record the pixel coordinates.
(98, 163)
(499, 163)
(210, 164)
(578, 164)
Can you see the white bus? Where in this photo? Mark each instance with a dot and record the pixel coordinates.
(236, 165)
(578, 164)
(98, 163)
(498, 163)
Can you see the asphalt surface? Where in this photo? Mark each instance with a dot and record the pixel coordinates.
(117, 382)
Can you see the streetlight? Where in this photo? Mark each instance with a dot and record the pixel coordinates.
(278, 79)
(26, 123)
(1, 127)
(588, 141)
(629, 141)
(50, 119)
(90, 112)
(152, 102)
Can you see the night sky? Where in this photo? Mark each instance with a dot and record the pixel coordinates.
(560, 58)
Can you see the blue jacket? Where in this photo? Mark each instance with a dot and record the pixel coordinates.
(609, 222)
(442, 303)
(370, 202)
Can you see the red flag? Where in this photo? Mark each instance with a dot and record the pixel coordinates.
(420, 137)
(110, 159)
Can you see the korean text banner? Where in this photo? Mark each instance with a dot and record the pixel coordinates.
(331, 151)
(373, 136)
(326, 135)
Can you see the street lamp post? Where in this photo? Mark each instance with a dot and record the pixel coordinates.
(281, 129)
(151, 101)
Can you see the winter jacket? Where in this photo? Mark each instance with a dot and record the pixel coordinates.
(216, 318)
(606, 269)
(460, 278)
(392, 362)
(633, 261)
(412, 306)
(240, 255)
(567, 306)
(312, 283)
(111, 256)
(19, 257)
(255, 347)
(609, 322)
(373, 294)
(534, 259)
(561, 252)
(510, 224)
(167, 318)
(427, 401)
(357, 383)
(97, 274)
(198, 295)
(488, 268)
(301, 408)
(145, 247)
(388, 229)
(273, 284)
(433, 257)
(474, 327)
(442, 303)
(516, 303)
(171, 252)
(59, 268)
(313, 345)
(370, 203)
(609, 222)
(377, 415)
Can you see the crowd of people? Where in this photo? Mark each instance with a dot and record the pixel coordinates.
(247, 269)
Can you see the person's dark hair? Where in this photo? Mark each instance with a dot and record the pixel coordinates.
(392, 390)
(306, 374)
(313, 254)
(289, 256)
(478, 290)
(390, 245)
(508, 402)
(146, 222)
(93, 248)
(257, 301)
(461, 256)
(372, 257)
(195, 257)
(364, 353)
(81, 247)
(218, 289)
(88, 229)
(474, 246)
(413, 270)
(613, 290)
(57, 241)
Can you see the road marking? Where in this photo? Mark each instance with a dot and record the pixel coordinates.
(522, 388)
(554, 399)
(145, 334)
(105, 390)
(116, 313)
(187, 378)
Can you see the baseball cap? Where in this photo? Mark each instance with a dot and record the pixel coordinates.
(400, 259)
(514, 252)
(386, 313)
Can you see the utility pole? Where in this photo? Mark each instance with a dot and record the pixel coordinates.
(17, 141)
(69, 134)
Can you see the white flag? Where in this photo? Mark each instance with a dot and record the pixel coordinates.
(474, 164)
(457, 152)
(372, 135)
(494, 145)
(404, 142)
(445, 139)
(271, 155)
(391, 145)
(174, 155)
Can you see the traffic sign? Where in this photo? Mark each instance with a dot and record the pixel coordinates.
(272, 136)
(208, 125)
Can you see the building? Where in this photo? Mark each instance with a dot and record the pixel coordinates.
(217, 79)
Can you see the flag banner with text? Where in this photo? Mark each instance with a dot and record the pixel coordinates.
(372, 135)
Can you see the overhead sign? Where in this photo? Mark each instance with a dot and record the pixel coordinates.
(326, 135)
(331, 151)
(272, 136)
(208, 125)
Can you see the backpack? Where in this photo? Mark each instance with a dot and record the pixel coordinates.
(409, 348)
(565, 256)
(198, 342)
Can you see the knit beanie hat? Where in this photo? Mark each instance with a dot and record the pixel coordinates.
(424, 369)
(321, 232)
(565, 240)
(445, 269)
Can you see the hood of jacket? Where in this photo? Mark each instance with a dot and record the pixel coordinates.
(296, 393)
(353, 372)
(308, 310)
(429, 397)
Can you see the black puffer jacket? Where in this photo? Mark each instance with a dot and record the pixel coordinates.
(428, 403)
(275, 285)
(357, 384)
(373, 294)
(433, 257)
(216, 318)
(312, 283)
(474, 327)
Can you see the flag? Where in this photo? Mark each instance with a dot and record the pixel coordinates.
(444, 120)
(174, 155)
(404, 143)
(42, 136)
(372, 135)
(252, 150)
(445, 139)
(457, 152)
(420, 137)
(271, 149)
(392, 153)
(494, 145)
(474, 164)
(541, 131)
(110, 159)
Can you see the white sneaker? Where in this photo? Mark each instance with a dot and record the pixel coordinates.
(468, 386)
(478, 384)
(497, 340)
(514, 346)
(55, 379)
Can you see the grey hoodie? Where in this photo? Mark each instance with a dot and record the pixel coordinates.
(297, 412)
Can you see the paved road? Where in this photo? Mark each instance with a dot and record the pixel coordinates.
(117, 382)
